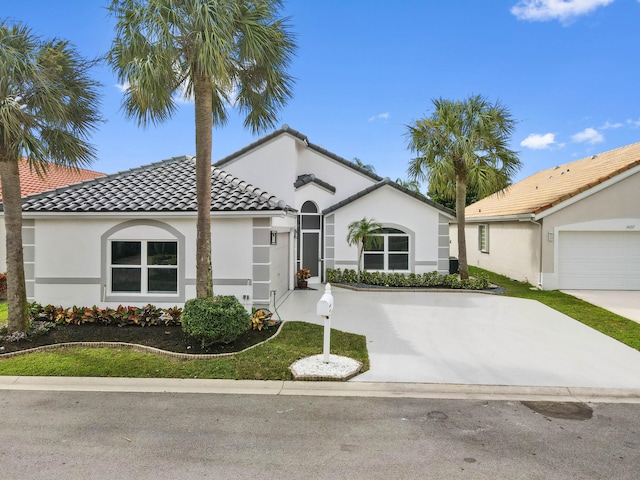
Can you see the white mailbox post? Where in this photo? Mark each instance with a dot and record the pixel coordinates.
(324, 308)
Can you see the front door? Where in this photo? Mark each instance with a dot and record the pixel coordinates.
(310, 225)
(311, 253)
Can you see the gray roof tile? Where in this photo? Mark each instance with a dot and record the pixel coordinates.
(167, 186)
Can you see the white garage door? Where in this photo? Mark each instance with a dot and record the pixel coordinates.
(599, 260)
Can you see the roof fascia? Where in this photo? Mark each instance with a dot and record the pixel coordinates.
(587, 193)
(289, 212)
(519, 217)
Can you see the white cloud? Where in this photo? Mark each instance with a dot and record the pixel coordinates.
(122, 86)
(380, 116)
(607, 125)
(633, 123)
(537, 141)
(588, 135)
(563, 10)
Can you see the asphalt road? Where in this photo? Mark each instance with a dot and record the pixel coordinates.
(98, 435)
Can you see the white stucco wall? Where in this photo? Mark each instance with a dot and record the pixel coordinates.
(513, 249)
(275, 165)
(70, 263)
(394, 209)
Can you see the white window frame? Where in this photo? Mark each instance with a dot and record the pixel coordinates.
(144, 269)
(483, 238)
(385, 251)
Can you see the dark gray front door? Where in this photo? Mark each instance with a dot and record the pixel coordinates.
(311, 252)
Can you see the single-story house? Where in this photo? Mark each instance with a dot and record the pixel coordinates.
(574, 226)
(130, 237)
(30, 183)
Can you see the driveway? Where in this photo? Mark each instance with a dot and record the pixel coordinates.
(622, 302)
(471, 338)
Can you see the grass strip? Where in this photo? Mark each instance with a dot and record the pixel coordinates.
(615, 326)
(269, 361)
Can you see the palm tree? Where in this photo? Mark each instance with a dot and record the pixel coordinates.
(463, 143)
(413, 184)
(218, 52)
(48, 105)
(367, 166)
(362, 234)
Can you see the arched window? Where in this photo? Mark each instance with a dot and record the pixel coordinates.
(143, 259)
(391, 253)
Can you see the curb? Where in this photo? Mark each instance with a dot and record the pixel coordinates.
(322, 389)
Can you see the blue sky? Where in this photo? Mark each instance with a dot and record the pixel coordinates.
(568, 70)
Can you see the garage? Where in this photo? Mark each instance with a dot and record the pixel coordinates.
(599, 260)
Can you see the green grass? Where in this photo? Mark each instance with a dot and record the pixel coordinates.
(622, 329)
(3, 313)
(269, 361)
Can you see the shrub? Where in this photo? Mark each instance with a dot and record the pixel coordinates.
(219, 319)
(3, 284)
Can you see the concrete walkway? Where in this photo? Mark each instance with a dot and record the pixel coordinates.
(473, 339)
(622, 302)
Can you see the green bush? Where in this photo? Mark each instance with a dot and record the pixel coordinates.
(394, 279)
(219, 319)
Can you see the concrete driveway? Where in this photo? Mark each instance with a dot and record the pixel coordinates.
(622, 302)
(471, 338)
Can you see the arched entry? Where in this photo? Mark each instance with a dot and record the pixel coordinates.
(309, 247)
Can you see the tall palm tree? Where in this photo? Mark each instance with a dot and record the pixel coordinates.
(218, 52)
(367, 166)
(48, 105)
(362, 234)
(463, 143)
(413, 184)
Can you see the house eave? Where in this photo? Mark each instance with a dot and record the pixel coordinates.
(518, 217)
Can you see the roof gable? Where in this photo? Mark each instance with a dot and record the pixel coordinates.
(286, 130)
(56, 176)
(551, 187)
(166, 186)
(392, 184)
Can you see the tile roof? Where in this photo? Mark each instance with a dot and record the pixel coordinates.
(56, 176)
(286, 129)
(552, 186)
(389, 182)
(166, 186)
(307, 178)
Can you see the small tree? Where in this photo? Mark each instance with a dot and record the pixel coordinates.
(362, 234)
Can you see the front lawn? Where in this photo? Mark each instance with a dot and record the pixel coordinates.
(622, 329)
(269, 361)
(3, 313)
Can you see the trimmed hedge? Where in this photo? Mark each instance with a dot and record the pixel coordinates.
(426, 280)
(219, 319)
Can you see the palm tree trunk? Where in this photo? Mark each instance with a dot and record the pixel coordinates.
(461, 197)
(18, 319)
(204, 124)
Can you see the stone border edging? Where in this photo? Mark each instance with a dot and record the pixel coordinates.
(136, 347)
(496, 291)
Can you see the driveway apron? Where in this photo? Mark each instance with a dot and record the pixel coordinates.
(471, 338)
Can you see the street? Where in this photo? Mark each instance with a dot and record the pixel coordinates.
(100, 435)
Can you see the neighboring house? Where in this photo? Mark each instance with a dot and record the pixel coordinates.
(30, 183)
(130, 238)
(575, 226)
